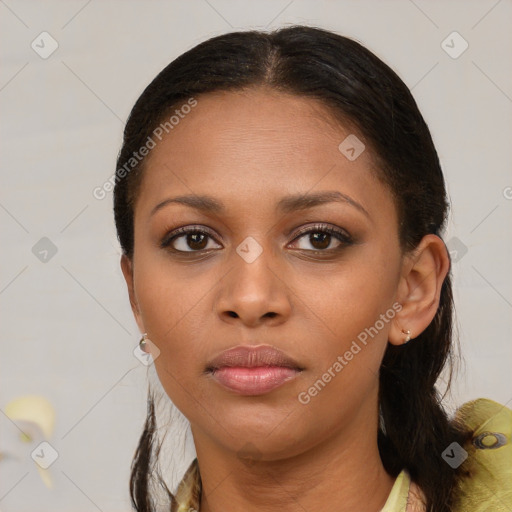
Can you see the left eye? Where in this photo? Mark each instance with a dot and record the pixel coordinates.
(321, 237)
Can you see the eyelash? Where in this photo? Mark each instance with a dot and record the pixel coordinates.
(342, 236)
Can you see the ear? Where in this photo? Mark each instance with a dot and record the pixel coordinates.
(127, 268)
(424, 271)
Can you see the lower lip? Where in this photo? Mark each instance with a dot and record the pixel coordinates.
(253, 381)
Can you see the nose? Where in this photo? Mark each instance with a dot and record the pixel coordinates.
(253, 293)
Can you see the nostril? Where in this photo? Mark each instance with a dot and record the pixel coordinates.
(232, 314)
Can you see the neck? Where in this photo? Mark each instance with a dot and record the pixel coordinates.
(344, 473)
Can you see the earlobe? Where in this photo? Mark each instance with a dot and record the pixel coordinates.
(419, 290)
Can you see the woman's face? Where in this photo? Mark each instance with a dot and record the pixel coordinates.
(252, 276)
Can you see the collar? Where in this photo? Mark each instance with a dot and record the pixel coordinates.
(404, 496)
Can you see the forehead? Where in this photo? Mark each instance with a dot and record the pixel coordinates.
(254, 143)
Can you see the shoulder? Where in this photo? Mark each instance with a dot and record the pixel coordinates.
(485, 459)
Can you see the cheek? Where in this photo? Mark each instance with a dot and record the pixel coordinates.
(350, 297)
(349, 315)
(172, 308)
(173, 311)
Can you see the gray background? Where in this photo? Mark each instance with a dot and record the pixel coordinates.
(67, 328)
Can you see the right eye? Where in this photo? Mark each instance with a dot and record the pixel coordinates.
(188, 239)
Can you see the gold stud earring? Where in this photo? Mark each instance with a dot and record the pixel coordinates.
(407, 335)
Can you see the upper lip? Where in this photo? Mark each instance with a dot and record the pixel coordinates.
(251, 357)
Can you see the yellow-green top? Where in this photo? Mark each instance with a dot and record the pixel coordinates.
(485, 483)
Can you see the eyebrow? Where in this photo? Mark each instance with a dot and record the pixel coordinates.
(287, 204)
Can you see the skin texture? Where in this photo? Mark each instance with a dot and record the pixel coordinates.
(249, 149)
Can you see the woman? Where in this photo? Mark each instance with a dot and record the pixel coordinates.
(280, 203)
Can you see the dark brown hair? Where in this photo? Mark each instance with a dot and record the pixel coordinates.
(356, 87)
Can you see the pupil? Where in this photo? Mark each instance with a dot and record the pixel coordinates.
(193, 239)
(322, 238)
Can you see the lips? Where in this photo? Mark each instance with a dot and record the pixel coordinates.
(252, 357)
(249, 370)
